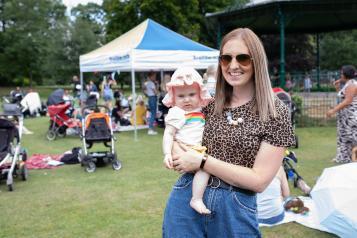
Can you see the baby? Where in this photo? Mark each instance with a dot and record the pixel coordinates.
(184, 122)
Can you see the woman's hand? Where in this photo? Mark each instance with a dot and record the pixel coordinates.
(330, 113)
(189, 161)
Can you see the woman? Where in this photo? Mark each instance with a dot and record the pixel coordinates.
(246, 132)
(107, 91)
(346, 115)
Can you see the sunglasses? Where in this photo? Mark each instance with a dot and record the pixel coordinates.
(242, 59)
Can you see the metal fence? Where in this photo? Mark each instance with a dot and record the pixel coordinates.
(322, 82)
(312, 108)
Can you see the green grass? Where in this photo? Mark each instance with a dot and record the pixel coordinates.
(68, 202)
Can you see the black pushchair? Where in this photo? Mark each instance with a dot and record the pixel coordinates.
(291, 173)
(12, 156)
(286, 99)
(97, 128)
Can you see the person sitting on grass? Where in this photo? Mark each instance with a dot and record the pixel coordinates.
(140, 111)
(270, 203)
(184, 124)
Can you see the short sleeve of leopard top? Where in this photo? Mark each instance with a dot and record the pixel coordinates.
(239, 144)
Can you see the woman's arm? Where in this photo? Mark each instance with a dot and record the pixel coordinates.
(167, 144)
(266, 166)
(351, 91)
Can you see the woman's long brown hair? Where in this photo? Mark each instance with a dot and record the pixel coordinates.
(264, 96)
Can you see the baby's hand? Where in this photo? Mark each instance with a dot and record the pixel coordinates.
(168, 161)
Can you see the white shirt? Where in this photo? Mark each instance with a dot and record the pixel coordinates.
(270, 202)
(150, 88)
(189, 125)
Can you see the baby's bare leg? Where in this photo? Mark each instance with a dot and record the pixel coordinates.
(199, 185)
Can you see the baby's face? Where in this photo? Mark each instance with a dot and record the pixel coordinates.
(187, 97)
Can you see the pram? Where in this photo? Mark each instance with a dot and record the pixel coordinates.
(12, 156)
(292, 174)
(97, 128)
(30, 103)
(60, 121)
(286, 98)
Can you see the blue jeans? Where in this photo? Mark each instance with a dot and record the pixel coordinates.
(234, 213)
(152, 108)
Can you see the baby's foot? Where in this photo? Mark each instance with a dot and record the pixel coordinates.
(199, 206)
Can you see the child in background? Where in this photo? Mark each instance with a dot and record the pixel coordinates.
(186, 95)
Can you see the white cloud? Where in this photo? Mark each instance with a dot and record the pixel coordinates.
(73, 3)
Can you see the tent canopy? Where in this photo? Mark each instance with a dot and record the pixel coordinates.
(148, 46)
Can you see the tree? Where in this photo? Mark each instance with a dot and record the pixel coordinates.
(25, 26)
(338, 48)
(186, 17)
(299, 51)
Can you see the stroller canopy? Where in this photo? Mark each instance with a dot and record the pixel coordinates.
(8, 131)
(56, 97)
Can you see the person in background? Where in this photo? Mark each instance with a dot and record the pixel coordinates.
(246, 132)
(151, 92)
(289, 84)
(76, 86)
(307, 83)
(211, 79)
(118, 115)
(140, 110)
(107, 91)
(346, 115)
(161, 107)
(270, 203)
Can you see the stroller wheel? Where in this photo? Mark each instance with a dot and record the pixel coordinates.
(90, 167)
(51, 135)
(61, 133)
(24, 172)
(116, 165)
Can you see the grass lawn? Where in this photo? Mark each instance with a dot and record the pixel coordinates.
(68, 202)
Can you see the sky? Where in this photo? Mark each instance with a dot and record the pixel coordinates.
(73, 3)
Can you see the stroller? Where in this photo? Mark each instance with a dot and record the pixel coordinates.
(60, 116)
(292, 174)
(97, 128)
(12, 156)
(286, 99)
(30, 103)
(60, 121)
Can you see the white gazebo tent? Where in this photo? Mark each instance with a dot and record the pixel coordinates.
(148, 46)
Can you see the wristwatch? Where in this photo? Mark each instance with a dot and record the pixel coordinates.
(204, 159)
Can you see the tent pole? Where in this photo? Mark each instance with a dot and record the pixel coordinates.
(134, 104)
(161, 75)
(81, 79)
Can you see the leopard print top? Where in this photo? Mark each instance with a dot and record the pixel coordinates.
(239, 144)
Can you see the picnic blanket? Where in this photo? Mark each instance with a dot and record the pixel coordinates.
(43, 161)
(310, 220)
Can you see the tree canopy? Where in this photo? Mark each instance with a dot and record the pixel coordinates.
(41, 44)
